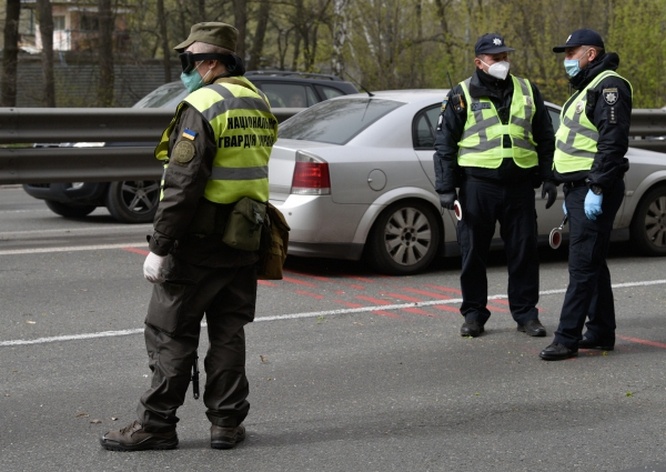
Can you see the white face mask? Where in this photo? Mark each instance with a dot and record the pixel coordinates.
(499, 70)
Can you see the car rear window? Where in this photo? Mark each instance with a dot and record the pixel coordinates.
(163, 96)
(336, 121)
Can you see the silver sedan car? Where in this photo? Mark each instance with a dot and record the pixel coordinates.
(354, 177)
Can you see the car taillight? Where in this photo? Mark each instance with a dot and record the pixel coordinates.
(311, 176)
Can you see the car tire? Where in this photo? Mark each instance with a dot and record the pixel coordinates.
(405, 239)
(133, 201)
(69, 211)
(648, 226)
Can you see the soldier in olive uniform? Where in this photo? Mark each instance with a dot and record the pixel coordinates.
(216, 153)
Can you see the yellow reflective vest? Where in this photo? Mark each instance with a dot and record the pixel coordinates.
(481, 144)
(245, 130)
(576, 137)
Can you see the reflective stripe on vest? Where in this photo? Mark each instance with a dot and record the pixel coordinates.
(576, 137)
(481, 144)
(245, 130)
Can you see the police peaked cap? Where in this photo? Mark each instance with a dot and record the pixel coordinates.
(211, 32)
(581, 37)
(491, 43)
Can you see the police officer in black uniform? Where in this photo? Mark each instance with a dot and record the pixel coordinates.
(495, 143)
(216, 153)
(591, 142)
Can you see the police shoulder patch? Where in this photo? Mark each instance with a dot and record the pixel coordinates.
(610, 95)
(183, 152)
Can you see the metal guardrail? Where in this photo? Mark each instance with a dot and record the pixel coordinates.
(131, 134)
(648, 129)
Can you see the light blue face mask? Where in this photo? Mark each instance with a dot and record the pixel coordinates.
(192, 81)
(572, 66)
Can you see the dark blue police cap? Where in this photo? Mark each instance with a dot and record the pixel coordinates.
(581, 37)
(491, 43)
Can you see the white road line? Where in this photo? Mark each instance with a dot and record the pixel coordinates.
(73, 232)
(294, 316)
(14, 252)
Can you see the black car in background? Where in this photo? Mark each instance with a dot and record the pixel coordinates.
(136, 201)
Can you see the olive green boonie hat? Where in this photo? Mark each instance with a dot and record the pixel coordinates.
(211, 32)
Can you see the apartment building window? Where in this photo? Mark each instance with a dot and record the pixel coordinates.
(58, 23)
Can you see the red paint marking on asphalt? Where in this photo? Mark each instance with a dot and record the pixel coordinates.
(442, 288)
(310, 294)
(438, 296)
(407, 298)
(499, 309)
(379, 301)
(298, 282)
(348, 304)
(311, 276)
(449, 308)
(357, 287)
(266, 283)
(387, 314)
(136, 250)
(376, 301)
(645, 342)
(365, 279)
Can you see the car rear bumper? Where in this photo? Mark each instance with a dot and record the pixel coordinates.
(352, 252)
(321, 228)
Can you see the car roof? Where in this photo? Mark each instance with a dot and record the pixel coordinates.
(171, 94)
(276, 74)
(406, 95)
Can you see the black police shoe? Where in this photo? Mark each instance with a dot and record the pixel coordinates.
(557, 352)
(532, 328)
(226, 437)
(471, 328)
(586, 343)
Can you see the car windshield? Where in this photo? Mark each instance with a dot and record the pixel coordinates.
(336, 121)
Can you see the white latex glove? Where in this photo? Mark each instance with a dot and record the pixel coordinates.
(152, 268)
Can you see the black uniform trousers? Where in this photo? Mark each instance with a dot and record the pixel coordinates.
(484, 203)
(227, 296)
(589, 293)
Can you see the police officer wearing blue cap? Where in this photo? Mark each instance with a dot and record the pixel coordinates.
(591, 142)
(495, 143)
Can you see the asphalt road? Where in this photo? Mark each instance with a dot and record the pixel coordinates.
(349, 371)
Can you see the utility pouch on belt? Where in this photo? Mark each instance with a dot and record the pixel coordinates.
(243, 229)
(274, 245)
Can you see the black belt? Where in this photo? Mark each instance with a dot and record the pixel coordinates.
(575, 183)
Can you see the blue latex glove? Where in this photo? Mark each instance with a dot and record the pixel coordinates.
(593, 205)
(564, 208)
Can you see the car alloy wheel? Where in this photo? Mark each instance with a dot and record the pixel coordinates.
(405, 238)
(648, 227)
(133, 201)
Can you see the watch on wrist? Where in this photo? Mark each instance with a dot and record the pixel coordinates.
(596, 189)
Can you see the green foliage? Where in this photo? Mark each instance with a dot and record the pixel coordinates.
(638, 30)
(417, 43)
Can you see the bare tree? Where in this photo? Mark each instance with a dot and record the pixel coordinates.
(240, 17)
(45, 16)
(259, 35)
(10, 54)
(164, 39)
(339, 36)
(106, 75)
